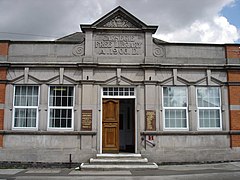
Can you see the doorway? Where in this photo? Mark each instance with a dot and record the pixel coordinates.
(118, 125)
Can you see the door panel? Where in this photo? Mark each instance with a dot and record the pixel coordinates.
(110, 124)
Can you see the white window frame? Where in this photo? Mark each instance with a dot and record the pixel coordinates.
(210, 108)
(119, 96)
(60, 107)
(177, 108)
(25, 107)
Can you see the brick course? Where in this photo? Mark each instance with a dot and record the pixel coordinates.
(1, 118)
(3, 49)
(2, 93)
(1, 140)
(3, 73)
(234, 76)
(235, 120)
(234, 95)
(233, 51)
(235, 140)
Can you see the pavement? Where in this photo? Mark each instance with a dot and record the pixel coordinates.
(220, 171)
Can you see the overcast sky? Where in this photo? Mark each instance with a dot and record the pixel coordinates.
(207, 21)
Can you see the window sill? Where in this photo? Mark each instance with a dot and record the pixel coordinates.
(184, 133)
(15, 132)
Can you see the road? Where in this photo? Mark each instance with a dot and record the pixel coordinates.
(220, 171)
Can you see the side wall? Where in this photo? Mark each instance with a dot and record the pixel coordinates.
(3, 74)
(233, 56)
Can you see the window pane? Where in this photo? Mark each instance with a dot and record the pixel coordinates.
(175, 96)
(61, 96)
(17, 100)
(118, 91)
(26, 96)
(208, 97)
(17, 90)
(175, 118)
(23, 90)
(209, 118)
(60, 118)
(25, 117)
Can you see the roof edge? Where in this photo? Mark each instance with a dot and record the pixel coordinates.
(141, 26)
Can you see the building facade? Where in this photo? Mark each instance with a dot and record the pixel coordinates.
(114, 88)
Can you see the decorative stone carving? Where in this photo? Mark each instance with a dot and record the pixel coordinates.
(119, 22)
(150, 120)
(119, 44)
(159, 51)
(78, 50)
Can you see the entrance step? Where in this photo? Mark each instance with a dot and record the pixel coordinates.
(105, 167)
(118, 162)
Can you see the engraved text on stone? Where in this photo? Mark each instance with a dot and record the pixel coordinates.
(118, 44)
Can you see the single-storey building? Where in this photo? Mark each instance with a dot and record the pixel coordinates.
(113, 88)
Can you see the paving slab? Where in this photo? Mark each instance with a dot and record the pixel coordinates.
(100, 173)
(236, 164)
(211, 176)
(225, 166)
(10, 171)
(43, 171)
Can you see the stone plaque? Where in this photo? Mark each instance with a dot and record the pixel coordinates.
(150, 120)
(118, 44)
(86, 120)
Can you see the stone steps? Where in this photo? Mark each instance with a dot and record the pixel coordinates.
(105, 167)
(104, 162)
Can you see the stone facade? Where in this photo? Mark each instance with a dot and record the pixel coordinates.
(118, 54)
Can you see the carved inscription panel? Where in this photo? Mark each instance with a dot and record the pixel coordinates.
(119, 44)
(86, 120)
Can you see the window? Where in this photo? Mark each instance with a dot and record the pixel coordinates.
(25, 111)
(208, 102)
(119, 91)
(175, 107)
(61, 100)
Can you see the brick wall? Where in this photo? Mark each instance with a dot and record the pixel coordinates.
(234, 102)
(1, 125)
(4, 49)
(235, 140)
(3, 74)
(233, 52)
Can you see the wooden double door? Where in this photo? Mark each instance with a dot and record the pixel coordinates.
(111, 125)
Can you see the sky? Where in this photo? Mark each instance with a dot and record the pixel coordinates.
(194, 21)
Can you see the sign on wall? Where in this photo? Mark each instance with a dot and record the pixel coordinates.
(86, 120)
(150, 120)
(119, 44)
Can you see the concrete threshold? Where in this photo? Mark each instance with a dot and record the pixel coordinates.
(120, 155)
